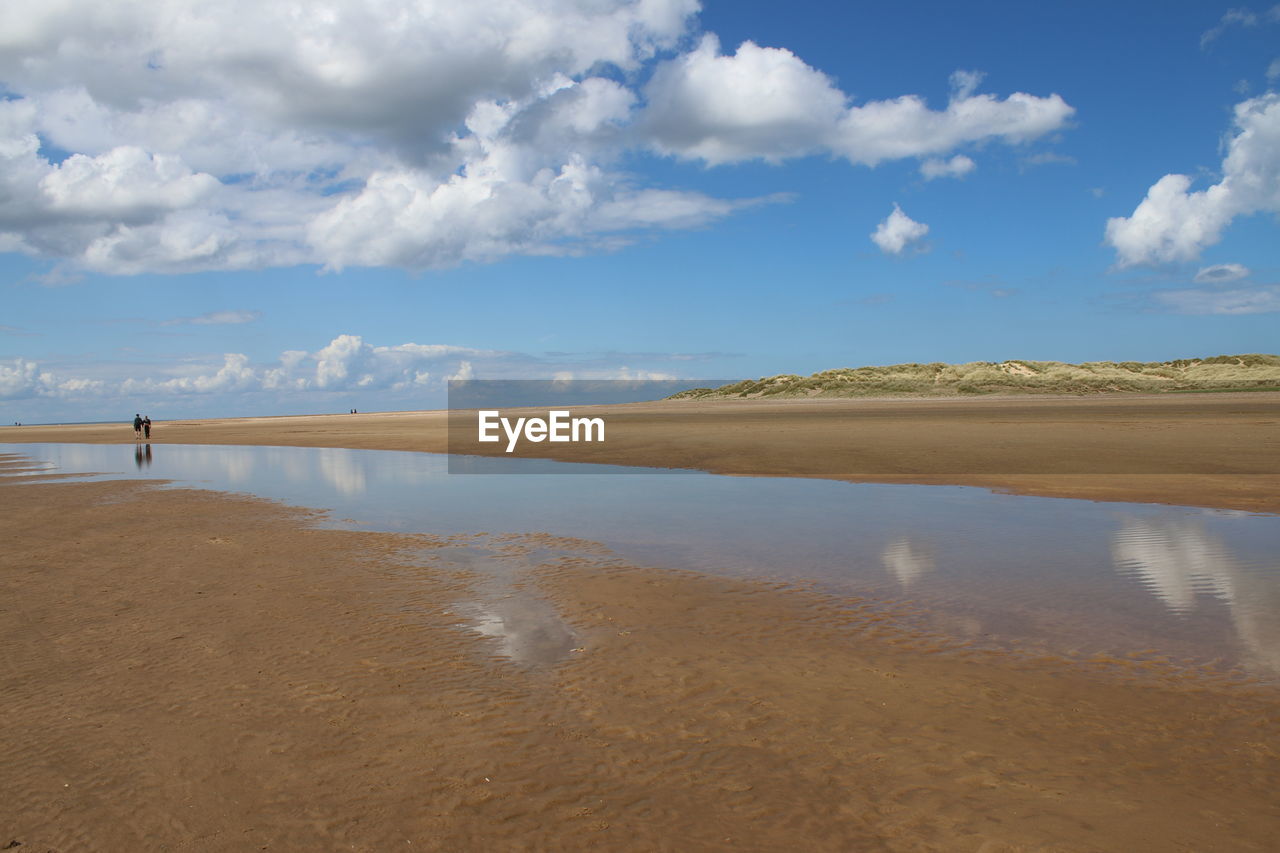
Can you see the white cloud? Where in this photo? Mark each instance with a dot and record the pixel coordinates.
(1252, 300)
(965, 83)
(1221, 273)
(126, 183)
(1241, 18)
(1273, 70)
(766, 103)
(761, 102)
(1175, 224)
(346, 365)
(416, 133)
(18, 378)
(233, 135)
(957, 167)
(22, 378)
(1232, 17)
(347, 362)
(897, 230)
(407, 219)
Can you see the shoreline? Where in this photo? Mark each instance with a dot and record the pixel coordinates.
(1209, 450)
(191, 666)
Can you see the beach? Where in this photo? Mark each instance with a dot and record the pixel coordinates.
(638, 426)
(191, 669)
(1212, 450)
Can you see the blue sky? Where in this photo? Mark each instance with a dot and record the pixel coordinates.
(238, 211)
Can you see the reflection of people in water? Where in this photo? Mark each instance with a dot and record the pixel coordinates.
(142, 456)
(146, 427)
(137, 426)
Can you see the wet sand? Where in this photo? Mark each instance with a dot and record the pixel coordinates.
(1212, 450)
(190, 670)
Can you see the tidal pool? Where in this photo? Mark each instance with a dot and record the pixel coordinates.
(1071, 577)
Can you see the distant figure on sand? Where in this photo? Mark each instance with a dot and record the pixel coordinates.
(146, 427)
(137, 426)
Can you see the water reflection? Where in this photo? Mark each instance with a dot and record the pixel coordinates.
(993, 568)
(527, 627)
(342, 470)
(1178, 561)
(906, 561)
(1175, 560)
(337, 468)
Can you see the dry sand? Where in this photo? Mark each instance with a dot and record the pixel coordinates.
(1215, 450)
(191, 671)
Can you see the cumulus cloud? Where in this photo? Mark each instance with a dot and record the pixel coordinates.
(22, 378)
(957, 167)
(196, 136)
(1249, 300)
(232, 136)
(1174, 223)
(897, 231)
(125, 183)
(766, 103)
(407, 219)
(345, 365)
(1221, 273)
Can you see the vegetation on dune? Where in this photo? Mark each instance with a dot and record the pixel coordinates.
(1251, 372)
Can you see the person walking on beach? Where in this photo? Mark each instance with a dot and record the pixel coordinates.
(137, 426)
(146, 427)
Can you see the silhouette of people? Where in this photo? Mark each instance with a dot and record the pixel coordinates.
(137, 456)
(137, 427)
(146, 428)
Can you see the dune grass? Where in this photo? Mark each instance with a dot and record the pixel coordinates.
(1252, 372)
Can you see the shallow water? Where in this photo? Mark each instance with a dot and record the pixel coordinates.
(1063, 576)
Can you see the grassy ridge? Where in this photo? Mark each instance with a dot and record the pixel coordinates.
(1220, 373)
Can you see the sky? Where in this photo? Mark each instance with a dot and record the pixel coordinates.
(251, 208)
